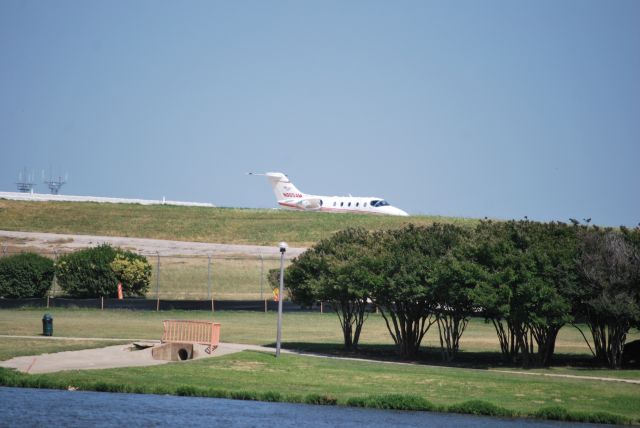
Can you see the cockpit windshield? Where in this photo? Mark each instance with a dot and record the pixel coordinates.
(379, 203)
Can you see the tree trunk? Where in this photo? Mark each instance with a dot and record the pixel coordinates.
(450, 329)
(545, 338)
(407, 324)
(352, 315)
(507, 337)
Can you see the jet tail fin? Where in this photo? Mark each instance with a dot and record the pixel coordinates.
(283, 188)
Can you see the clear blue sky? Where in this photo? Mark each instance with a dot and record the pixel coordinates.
(471, 108)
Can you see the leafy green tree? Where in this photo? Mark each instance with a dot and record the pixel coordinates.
(610, 297)
(25, 275)
(494, 254)
(407, 263)
(336, 270)
(453, 292)
(552, 284)
(525, 284)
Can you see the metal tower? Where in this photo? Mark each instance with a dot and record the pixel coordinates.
(25, 182)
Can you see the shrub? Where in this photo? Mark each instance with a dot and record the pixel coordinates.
(479, 407)
(187, 391)
(25, 275)
(244, 395)
(392, 402)
(606, 418)
(105, 387)
(357, 402)
(133, 271)
(559, 413)
(217, 393)
(556, 413)
(271, 396)
(321, 399)
(95, 272)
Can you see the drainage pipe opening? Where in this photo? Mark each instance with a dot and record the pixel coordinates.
(183, 354)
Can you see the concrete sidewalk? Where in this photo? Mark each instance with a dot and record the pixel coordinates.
(111, 357)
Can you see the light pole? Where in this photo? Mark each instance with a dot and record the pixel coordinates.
(283, 249)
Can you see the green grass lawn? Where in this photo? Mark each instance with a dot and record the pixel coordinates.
(476, 375)
(294, 377)
(313, 332)
(220, 225)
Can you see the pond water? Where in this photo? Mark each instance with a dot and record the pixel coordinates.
(52, 408)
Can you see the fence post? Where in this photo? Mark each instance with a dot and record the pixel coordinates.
(209, 277)
(261, 274)
(4, 249)
(55, 277)
(210, 285)
(158, 284)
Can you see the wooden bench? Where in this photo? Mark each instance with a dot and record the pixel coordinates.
(185, 331)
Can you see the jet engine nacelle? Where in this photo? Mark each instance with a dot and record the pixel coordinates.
(310, 204)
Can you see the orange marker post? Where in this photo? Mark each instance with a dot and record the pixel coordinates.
(119, 291)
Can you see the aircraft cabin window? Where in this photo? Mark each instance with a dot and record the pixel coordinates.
(379, 203)
(357, 204)
(334, 203)
(349, 203)
(320, 202)
(364, 205)
(342, 204)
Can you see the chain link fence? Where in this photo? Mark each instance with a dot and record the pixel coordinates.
(202, 277)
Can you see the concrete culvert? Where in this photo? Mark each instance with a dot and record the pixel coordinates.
(173, 351)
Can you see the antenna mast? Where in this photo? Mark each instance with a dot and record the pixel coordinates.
(25, 182)
(55, 185)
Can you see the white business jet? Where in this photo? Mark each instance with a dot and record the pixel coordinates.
(288, 196)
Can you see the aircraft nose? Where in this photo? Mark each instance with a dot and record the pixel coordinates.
(398, 211)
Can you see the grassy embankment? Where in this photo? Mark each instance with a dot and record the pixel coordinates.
(220, 225)
(296, 378)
